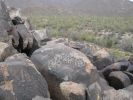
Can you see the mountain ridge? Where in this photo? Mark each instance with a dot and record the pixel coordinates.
(77, 7)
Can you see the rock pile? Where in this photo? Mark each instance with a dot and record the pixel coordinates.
(35, 67)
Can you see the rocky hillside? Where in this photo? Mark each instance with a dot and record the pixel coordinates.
(78, 7)
(34, 66)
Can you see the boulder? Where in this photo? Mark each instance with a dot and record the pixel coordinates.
(67, 71)
(20, 80)
(100, 90)
(119, 75)
(5, 51)
(25, 39)
(98, 56)
(119, 80)
(90, 47)
(18, 18)
(118, 66)
(24, 36)
(41, 36)
(96, 89)
(121, 94)
(102, 59)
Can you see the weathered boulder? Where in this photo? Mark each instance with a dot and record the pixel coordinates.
(18, 32)
(5, 51)
(90, 48)
(98, 56)
(41, 36)
(121, 94)
(119, 75)
(119, 80)
(67, 71)
(18, 18)
(96, 89)
(25, 39)
(100, 90)
(20, 80)
(118, 66)
(102, 59)
(22, 37)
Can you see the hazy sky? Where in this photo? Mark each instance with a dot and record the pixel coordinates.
(131, 0)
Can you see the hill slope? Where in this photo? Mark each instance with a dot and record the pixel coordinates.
(85, 7)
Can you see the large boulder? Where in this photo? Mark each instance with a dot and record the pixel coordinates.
(25, 39)
(20, 80)
(5, 51)
(100, 57)
(87, 48)
(67, 71)
(67, 42)
(119, 80)
(119, 75)
(100, 90)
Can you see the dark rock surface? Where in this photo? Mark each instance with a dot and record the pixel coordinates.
(102, 59)
(113, 78)
(20, 80)
(98, 56)
(66, 70)
(100, 90)
(119, 80)
(118, 66)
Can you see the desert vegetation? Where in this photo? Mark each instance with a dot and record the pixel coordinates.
(76, 23)
(109, 32)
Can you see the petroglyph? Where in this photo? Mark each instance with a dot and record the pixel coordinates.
(65, 59)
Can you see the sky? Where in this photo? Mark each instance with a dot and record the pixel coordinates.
(131, 0)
